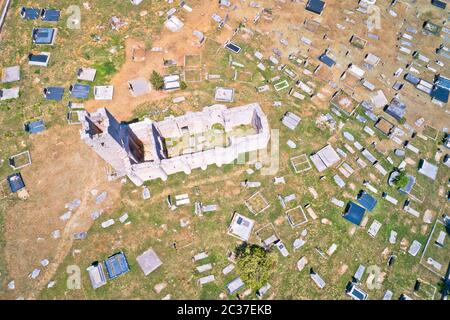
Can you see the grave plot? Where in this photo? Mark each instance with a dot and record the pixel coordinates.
(312, 25)
(267, 235)
(310, 68)
(240, 227)
(426, 291)
(192, 68)
(346, 169)
(430, 132)
(288, 201)
(374, 228)
(358, 42)
(281, 85)
(296, 216)
(75, 106)
(200, 256)
(311, 212)
(204, 267)
(182, 199)
(192, 75)
(244, 76)
(436, 253)
(233, 47)
(214, 73)
(345, 102)
(183, 238)
(192, 61)
(207, 279)
(290, 73)
(417, 193)
(300, 163)
(257, 203)
(20, 160)
(73, 117)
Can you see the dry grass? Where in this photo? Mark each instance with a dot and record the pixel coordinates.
(63, 168)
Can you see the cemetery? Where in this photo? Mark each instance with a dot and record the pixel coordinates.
(321, 142)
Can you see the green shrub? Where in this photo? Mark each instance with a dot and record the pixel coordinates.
(401, 180)
(254, 265)
(157, 80)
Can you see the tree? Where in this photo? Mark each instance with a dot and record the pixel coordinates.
(183, 85)
(401, 180)
(157, 80)
(254, 265)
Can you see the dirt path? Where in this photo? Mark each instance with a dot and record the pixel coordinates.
(63, 169)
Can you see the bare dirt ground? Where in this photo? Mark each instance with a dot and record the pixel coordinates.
(124, 103)
(175, 45)
(63, 169)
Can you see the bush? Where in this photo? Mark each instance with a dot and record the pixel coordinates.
(183, 85)
(401, 180)
(157, 80)
(254, 265)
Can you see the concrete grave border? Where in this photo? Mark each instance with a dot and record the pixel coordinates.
(294, 164)
(252, 197)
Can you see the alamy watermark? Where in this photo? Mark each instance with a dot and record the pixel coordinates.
(374, 20)
(74, 20)
(74, 277)
(241, 138)
(374, 278)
